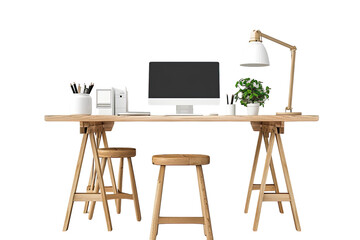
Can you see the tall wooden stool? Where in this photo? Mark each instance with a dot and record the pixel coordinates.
(181, 160)
(106, 154)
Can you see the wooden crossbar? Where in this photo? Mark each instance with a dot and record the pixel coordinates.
(276, 197)
(181, 220)
(268, 187)
(87, 197)
(95, 126)
(97, 196)
(119, 196)
(109, 189)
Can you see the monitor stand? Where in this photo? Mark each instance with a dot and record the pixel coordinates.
(184, 110)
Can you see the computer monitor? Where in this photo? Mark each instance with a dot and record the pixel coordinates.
(184, 84)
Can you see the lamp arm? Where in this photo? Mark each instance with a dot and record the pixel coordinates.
(276, 40)
(291, 86)
(257, 37)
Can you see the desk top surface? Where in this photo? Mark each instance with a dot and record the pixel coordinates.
(158, 118)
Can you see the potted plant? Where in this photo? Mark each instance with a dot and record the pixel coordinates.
(251, 94)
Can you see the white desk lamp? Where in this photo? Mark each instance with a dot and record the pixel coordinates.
(256, 56)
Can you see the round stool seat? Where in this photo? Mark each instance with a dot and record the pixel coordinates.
(181, 159)
(117, 152)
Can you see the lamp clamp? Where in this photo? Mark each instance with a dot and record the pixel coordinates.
(288, 109)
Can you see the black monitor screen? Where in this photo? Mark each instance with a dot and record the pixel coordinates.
(184, 80)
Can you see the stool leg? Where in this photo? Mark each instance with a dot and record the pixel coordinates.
(96, 190)
(263, 180)
(203, 213)
(120, 179)
(202, 210)
(288, 183)
(113, 182)
(272, 170)
(92, 174)
(157, 204)
(75, 182)
(204, 202)
(253, 171)
(134, 190)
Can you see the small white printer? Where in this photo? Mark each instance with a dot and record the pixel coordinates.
(111, 101)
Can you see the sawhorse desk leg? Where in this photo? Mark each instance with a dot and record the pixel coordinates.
(88, 130)
(275, 129)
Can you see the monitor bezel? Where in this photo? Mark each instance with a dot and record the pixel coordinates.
(183, 101)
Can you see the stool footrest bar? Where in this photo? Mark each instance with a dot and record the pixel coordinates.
(181, 220)
(109, 189)
(276, 197)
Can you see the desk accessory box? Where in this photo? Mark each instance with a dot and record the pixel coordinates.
(111, 101)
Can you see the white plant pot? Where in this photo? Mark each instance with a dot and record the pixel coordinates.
(253, 108)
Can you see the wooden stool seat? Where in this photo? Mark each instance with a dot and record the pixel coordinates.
(116, 152)
(180, 159)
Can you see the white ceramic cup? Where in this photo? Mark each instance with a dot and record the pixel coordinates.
(80, 103)
(230, 109)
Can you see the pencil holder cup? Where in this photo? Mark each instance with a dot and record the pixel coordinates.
(230, 109)
(81, 103)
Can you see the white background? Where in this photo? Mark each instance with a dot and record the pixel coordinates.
(44, 45)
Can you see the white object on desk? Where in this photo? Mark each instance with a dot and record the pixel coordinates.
(104, 101)
(253, 108)
(230, 109)
(134, 114)
(120, 100)
(80, 104)
(111, 101)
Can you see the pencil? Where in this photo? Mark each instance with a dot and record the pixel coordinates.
(74, 86)
(72, 89)
(91, 87)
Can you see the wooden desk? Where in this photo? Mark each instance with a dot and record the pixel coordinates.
(155, 118)
(269, 127)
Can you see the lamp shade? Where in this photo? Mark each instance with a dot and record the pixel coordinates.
(255, 55)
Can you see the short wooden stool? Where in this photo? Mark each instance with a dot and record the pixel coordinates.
(106, 154)
(181, 160)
